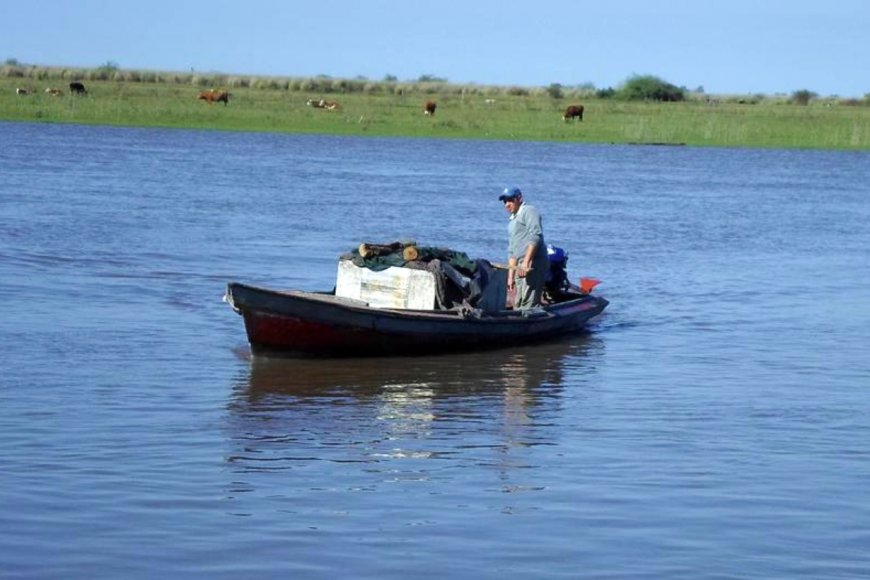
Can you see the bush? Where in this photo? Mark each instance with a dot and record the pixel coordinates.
(802, 97)
(431, 79)
(607, 93)
(348, 85)
(13, 71)
(39, 74)
(430, 88)
(267, 83)
(312, 85)
(517, 91)
(104, 72)
(74, 74)
(555, 91)
(650, 88)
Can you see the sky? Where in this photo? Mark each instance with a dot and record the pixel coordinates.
(723, 46)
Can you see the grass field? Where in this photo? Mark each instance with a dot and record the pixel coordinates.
(530, 117)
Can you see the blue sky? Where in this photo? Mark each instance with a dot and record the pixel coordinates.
(724, 46)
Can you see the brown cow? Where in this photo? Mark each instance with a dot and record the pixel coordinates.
(54, 92)
(429, 108)
(573, 111)
(212, 96)
(321, 104)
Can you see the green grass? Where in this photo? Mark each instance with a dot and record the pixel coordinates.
(527, 117)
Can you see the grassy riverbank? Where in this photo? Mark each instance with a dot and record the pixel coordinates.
(530, 115)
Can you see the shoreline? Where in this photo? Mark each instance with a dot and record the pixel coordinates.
(506, 117)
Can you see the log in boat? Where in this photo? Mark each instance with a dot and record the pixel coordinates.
(343, 323)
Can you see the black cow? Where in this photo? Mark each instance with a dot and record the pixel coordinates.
(77, 88)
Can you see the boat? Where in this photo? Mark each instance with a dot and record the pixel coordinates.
(328, 324)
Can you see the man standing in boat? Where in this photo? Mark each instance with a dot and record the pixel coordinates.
(527, 252)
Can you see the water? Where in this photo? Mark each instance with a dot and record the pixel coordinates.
(714, 424)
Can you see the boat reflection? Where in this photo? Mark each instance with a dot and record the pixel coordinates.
(291, 381)
(291, 412)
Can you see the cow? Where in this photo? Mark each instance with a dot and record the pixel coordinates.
(54, 92)
(573, 111)
(321, 104)
(20, 91)
(429, 108)
(212, 96)
(77, 88)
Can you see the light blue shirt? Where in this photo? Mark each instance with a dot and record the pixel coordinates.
(524, 228)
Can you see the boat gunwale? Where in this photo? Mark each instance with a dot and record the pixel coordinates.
(362, 307)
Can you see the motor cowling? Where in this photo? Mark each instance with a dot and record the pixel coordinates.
(557, 276)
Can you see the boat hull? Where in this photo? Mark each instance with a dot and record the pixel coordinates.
(295, 323)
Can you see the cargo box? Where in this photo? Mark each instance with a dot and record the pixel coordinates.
(408, 288)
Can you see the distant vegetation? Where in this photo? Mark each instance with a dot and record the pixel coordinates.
(644, 109)
(650, 88)
(426, 84)
(803, 97)
(635, 88)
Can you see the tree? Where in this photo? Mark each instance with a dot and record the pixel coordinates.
(555, 91)
(431, 79)
(802, 97)
(650, 88)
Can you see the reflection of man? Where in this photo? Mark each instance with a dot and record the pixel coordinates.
(527, 252)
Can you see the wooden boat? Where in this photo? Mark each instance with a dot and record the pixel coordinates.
(300, 323)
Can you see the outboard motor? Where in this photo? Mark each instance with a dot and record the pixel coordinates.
(557, 277)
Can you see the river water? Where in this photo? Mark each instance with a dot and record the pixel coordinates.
(714, 424)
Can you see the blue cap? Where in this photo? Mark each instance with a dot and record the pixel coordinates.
(510, 194)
